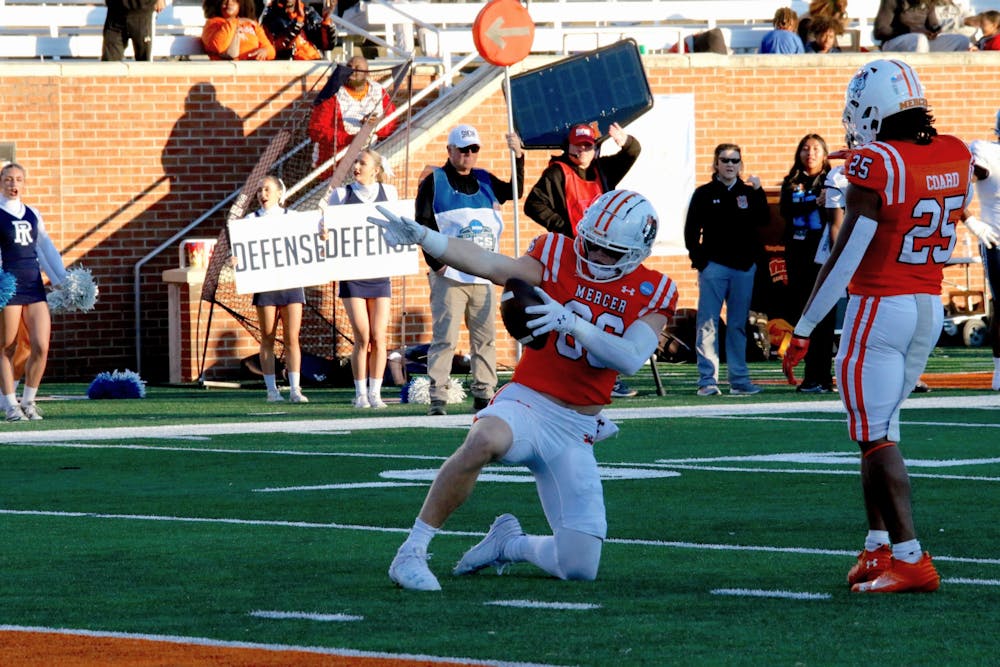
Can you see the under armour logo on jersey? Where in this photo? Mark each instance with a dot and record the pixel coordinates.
(628, 290)
(22, 232)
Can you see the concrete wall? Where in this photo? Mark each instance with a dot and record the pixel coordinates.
(121, 156)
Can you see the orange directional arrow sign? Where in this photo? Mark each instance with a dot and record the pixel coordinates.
(503, 32)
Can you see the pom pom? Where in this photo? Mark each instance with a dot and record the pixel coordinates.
(118, 384)
(8, 285)
(77, 293)
(418, 390)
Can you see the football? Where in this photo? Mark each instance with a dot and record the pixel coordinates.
(518, 295)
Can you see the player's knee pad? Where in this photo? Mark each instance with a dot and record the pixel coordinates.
(869, 448)
(579, 555)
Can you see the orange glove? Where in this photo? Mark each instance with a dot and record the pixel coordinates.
(795, 353)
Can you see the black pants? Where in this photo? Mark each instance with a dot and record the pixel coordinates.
(120, 26)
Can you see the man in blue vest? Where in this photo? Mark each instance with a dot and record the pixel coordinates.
(459, 200)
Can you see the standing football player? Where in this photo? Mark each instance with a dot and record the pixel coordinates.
(908, 189)
(986, 155)
(604, 311)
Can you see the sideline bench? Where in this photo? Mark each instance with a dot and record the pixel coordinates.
(74, 30)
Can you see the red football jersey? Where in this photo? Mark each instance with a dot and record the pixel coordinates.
(563, 368)
(924, 189)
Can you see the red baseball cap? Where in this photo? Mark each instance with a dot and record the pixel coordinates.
(581, 134)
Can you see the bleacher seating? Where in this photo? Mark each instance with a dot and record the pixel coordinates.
(566, 26)
(72, 29)
(42, 29)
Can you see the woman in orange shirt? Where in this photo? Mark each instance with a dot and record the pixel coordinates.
(232, 33)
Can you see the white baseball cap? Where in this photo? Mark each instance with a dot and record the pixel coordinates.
(462, 136)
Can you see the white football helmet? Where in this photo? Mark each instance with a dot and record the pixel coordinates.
(880, 89)
(623, 224)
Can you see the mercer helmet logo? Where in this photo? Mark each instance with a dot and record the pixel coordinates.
(22, 232)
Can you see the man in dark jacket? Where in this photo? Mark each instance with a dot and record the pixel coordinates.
(130, 19)
(577, 177)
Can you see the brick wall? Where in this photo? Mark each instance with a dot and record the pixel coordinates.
(121, 156)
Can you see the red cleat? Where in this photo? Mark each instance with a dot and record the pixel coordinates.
(870, 565)
(903, 577)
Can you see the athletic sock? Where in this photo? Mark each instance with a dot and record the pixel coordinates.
(375, 387)
(272, 386)
(361, 387)
(876, 539)
(29, 394)
(908, 551)
(9, 400)
(293, 380)
(421, 535)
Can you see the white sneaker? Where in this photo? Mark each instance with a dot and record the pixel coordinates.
(409, 570)
(296, 396)
(275, 396)
(31, 411)
(490, 551)
(361, 402)
(16, 414)
(376, 401)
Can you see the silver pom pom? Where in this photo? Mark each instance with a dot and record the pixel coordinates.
(77, 293)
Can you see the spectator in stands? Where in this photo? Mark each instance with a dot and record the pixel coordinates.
(286, 303)
(297, 31)
(232, 33)
(804, 229)
(462, 201)
(783, 39)
(955, 16)
(823, 33)
(722, 235)
(988, 23)
(336, 119)
(831, 9)
(367, 302)
(913, 25)
(576, 178)
(129, 20)
(25, 249)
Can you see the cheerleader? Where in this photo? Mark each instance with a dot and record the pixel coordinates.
(287, 303)
(366, 302)
(25, 248)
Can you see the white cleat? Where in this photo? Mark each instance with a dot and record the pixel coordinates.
(275, 397)
(409, 570)
(361, 402)
(490, 551)
(376, 401)
(297, 397)
(16, 414)
(31, 412)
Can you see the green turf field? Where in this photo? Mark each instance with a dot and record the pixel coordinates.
(732, 524)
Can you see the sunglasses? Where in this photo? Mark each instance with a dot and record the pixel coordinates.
(730, 160)
(468, 149)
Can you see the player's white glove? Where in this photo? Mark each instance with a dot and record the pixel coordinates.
(984, 232)
(552, 316)
(398, 230)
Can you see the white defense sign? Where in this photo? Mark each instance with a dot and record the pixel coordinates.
(281, 251)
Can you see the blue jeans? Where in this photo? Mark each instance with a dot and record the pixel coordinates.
(718, 284)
